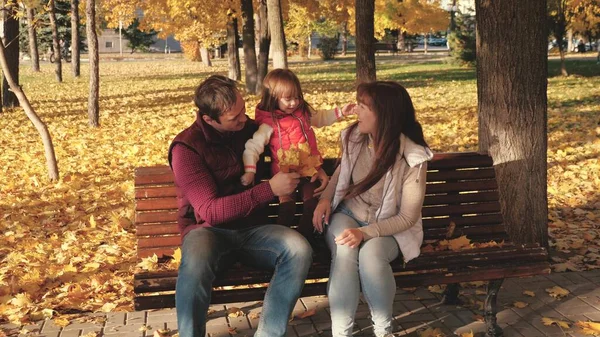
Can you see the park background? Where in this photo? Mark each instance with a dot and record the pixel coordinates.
(68, 246)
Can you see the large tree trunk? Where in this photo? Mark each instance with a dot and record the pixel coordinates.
(10, 28)
(33, 45)
(92, 38)
(275, 18)
(365, 37)
(561, 50)
(512, 84)
(233, 55)
(264, 43)
(249, 46)
(569, 40)
(75, 59)
(55, 41)
(33, 117)
(205, 56)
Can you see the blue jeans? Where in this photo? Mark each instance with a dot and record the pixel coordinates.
(206, 252)
(367, 266)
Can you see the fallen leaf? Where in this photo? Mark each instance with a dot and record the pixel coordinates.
(589, 328)
(467, 334)
(145, 327)
(549, 321)
(430, 332)
(520, 305)
(436, 289)
(459, 243)
(529, 293)
(234, 312)
(233, 331)
(557, 292)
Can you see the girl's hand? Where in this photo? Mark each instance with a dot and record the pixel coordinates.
(349, 109)
(350, 237)
(321, 214)
(247, 178)
(323, 178)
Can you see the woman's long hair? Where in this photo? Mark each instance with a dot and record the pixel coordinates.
(395, 115)
(281, 83)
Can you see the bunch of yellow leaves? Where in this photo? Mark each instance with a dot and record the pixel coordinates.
(298, 158)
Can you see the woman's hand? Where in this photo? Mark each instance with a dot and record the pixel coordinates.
(323, 178)
(350, 237)
(321, 214)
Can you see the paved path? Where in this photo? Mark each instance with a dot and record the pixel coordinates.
(414, 310)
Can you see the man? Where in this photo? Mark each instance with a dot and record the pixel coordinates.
(216, 214)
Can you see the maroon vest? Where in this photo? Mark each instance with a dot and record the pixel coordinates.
(223, 156)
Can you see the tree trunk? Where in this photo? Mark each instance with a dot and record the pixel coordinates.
(264, 43)
(400, 43)
(344, 38)
(33, 117)
(512, 86)
(275, 19)
(425, 44)
(33, 45)
(365, 37)
(55, 42)
(10, 29)
(205, 56)
(233, 55)
(92, 38)
(249, 46)
(561, 51)
(569, 40)
(75, 59)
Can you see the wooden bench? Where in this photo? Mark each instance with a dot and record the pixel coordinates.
(461, 190)
(384, 46)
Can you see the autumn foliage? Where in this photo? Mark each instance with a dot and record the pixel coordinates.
(69, 247)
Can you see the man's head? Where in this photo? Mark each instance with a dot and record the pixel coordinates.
(220, 104)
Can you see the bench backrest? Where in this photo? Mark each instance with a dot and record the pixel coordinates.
(461, 189)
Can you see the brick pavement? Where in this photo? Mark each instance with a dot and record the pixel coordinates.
(414, 310)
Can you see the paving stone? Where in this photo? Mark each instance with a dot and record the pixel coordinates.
(133, 330)
(70, 333)
(509, 331)
(449, 320)
(162, 312)
(239, 323)
(216, 321)
(115, 318)
(595, 316)
(420, 318)
(49, 333)
(413, 306)
(575, 306)
(474, 327)
(507, 316)
(303, 330)
(527, 329)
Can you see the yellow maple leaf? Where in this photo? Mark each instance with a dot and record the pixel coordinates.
(549, 321)
(177, 256)
(589, 328)
(149, 263)
(92, 221)
(62, 321)
(520, 305)
(431, 332)
(234, 312)
(529, 293)
(467, 334)
(108, 307)
(459, 243)
(557, 292)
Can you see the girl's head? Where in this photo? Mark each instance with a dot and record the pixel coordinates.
(281, 90)
(384, 111)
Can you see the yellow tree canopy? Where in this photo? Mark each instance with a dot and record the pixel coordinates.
(585, 16)
(412, 16)
(115, 11)
(203, 21)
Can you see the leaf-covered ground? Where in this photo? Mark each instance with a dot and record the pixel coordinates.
(69, 246)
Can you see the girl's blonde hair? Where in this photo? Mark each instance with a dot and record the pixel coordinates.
(281, 83)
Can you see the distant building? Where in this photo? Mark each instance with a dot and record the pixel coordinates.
(108, 42)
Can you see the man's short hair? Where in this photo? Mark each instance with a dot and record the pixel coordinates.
(214, 96)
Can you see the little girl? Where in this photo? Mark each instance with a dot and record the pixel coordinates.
(285, 121)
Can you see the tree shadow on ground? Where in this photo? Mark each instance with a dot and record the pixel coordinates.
(575, 67)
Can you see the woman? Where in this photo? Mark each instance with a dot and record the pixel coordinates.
(376, 208)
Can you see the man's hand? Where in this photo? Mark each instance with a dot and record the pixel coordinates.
(247, 178)
(350, 237)
(321, 214)
(284, 183)
(349, 109)
(323, 178)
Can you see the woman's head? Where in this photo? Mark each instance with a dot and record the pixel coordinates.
(384, 111)
(281, 90)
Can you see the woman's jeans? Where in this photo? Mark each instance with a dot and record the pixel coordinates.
(207, 252)
(368, 264)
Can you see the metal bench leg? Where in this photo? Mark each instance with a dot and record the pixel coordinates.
(491, 327)
(450, 295)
